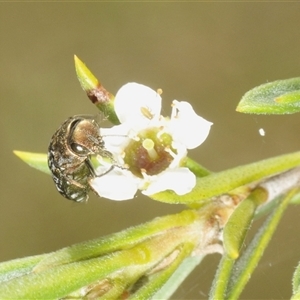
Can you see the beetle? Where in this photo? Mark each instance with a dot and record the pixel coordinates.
(69, 154)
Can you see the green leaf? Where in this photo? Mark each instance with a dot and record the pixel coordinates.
(18, 267)
(194, 167)
(179, 275)
(59, 281)
(296, 283)
(240, 221)
(225, 181)
(219, 285)
(99, 96)
(156, 281)
(86, 78)
(117, 241)
(232, 275)
(296, 199)
(277, 97)
(35, 160)
(248, 261)
(152, 251)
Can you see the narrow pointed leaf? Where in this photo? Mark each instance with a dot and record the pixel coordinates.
(296, 199)
(225, 181)
(86, 78)
(99, 96)
(196, 168)
(18, 267)
(34, 160)
(296, 283)
(118, 241)
(176, 279)
(160, 278)
(121, 268)
(240, 221)
(277, 97)
(248, 261)
(219, 285)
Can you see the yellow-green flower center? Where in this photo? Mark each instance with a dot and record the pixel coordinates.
(149, 153)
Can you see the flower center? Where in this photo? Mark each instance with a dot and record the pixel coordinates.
(150, 153)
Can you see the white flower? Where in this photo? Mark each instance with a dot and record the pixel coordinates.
(148, 148)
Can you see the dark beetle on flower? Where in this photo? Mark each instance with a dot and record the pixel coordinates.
(69, 154)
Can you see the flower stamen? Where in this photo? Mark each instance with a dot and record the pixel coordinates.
(148, 144)
(169, 150)
(146, 113)
(159, 91)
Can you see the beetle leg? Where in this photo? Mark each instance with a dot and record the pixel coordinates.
(92, 171)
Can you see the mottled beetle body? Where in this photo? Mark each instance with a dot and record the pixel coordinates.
(69, 156)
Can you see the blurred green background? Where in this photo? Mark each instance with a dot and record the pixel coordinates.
(207, 53)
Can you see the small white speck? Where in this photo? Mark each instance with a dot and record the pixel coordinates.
(262, 132)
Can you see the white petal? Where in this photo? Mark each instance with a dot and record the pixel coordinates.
(186, 126)
(177, 158)
(180, 180)
(133, 98)
(115, 138)
(115, 131)
(115, 185)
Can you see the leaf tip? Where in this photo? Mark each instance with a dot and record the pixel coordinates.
(86, 78)
(240, 108)
(20, 154)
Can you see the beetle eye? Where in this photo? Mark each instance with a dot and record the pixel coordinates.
(79, 149)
